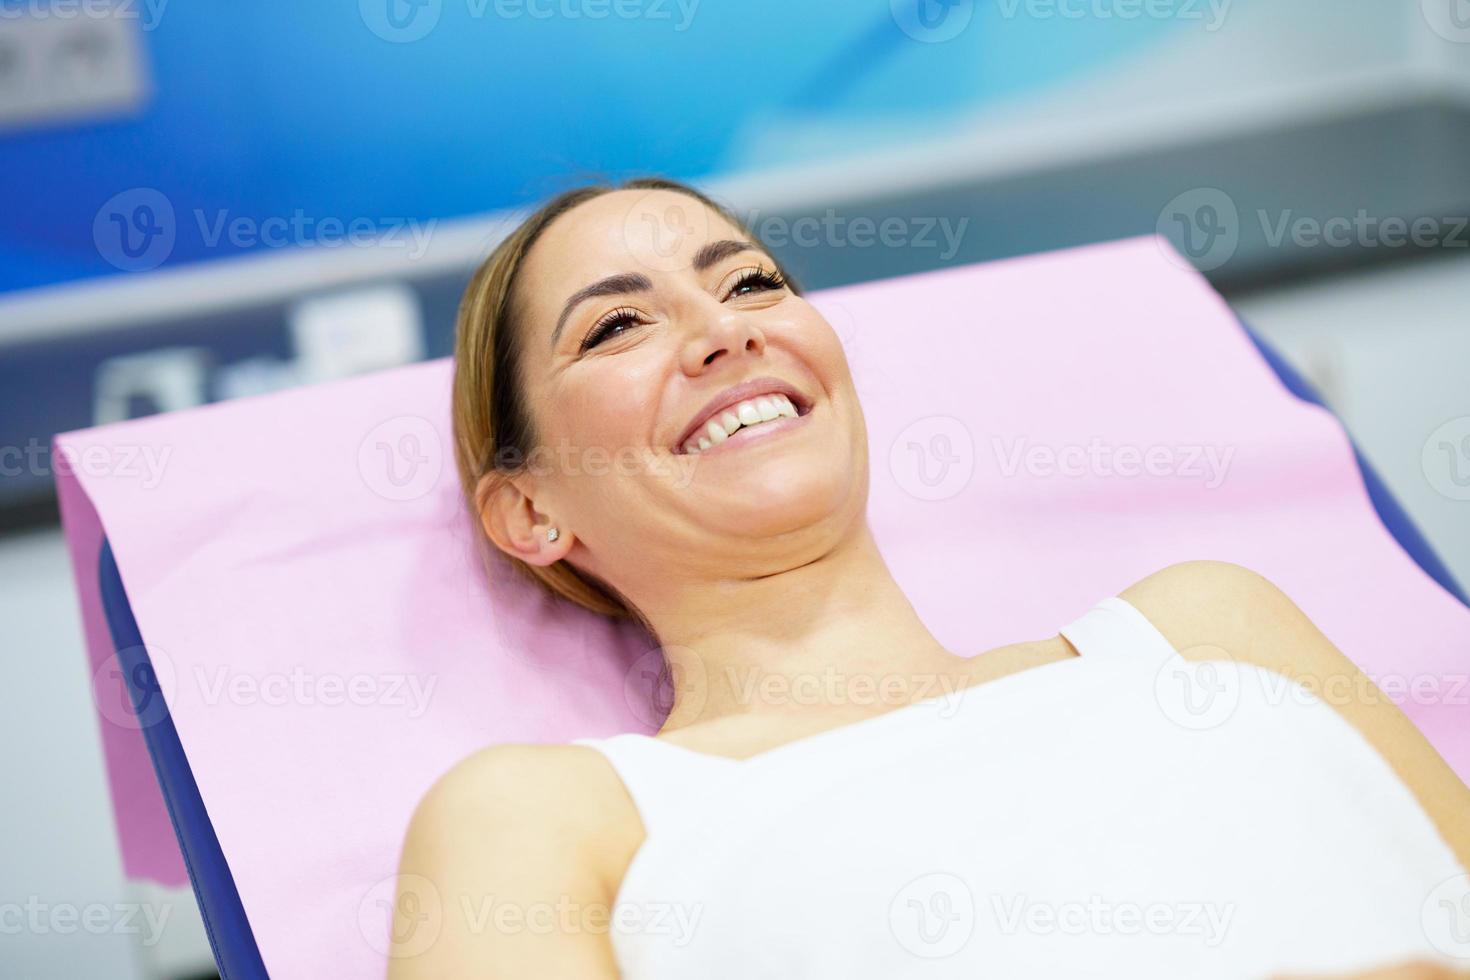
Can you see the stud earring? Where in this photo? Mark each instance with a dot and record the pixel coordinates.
(552, 534)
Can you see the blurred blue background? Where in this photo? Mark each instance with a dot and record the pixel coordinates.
(277, 108)
(204, 200)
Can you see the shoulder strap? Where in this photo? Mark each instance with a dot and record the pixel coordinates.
(1115, 630)
(658, 777)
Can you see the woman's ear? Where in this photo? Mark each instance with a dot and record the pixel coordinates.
(511, 521)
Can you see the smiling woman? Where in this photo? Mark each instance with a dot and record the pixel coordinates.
(1018, 824)
(494, 432)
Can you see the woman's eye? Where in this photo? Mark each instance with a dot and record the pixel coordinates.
(757, 280)
(609, 326)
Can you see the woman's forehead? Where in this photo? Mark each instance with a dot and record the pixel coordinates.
(655, 230)
(639, 232)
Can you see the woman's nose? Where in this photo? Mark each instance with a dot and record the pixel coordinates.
(717, 332)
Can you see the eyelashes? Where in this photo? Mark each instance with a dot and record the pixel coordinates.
(758, 275)
(755, 279)
(622, 316)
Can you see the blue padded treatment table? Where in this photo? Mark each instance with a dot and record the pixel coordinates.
(224, 916)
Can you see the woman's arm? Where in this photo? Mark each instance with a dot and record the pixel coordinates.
(1202, 607)
(503, 872)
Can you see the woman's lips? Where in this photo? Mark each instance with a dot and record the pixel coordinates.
(744, 392)
(752, 433)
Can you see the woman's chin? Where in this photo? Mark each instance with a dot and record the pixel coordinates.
(778, 499)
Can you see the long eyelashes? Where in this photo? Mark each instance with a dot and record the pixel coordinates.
(622, 316)
(757, 276)
(755, 279)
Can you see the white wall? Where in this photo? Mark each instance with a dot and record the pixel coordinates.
(60, 849)
(59, 859)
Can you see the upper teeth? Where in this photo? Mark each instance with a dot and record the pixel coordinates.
(750, 412)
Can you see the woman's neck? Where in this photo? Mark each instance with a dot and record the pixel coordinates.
(835, 633)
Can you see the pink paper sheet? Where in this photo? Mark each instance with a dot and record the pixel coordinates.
(298, 562)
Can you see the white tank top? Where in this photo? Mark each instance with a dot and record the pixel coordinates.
(1124, 813)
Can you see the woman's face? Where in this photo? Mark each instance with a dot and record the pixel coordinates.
(641, 310)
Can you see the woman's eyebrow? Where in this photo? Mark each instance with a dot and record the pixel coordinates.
(633, 282)
(717, 251)
(625, 282)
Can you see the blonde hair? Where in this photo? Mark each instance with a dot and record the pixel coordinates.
(493, 429)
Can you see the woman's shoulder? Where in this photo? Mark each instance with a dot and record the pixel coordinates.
(1221, 611)
(516, 829)
(533, 766)
(1212, 609)
(1216, 610)
(559, 809)
(558, 789)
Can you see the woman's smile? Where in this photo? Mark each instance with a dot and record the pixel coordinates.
(761, 431)
(757, 404)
